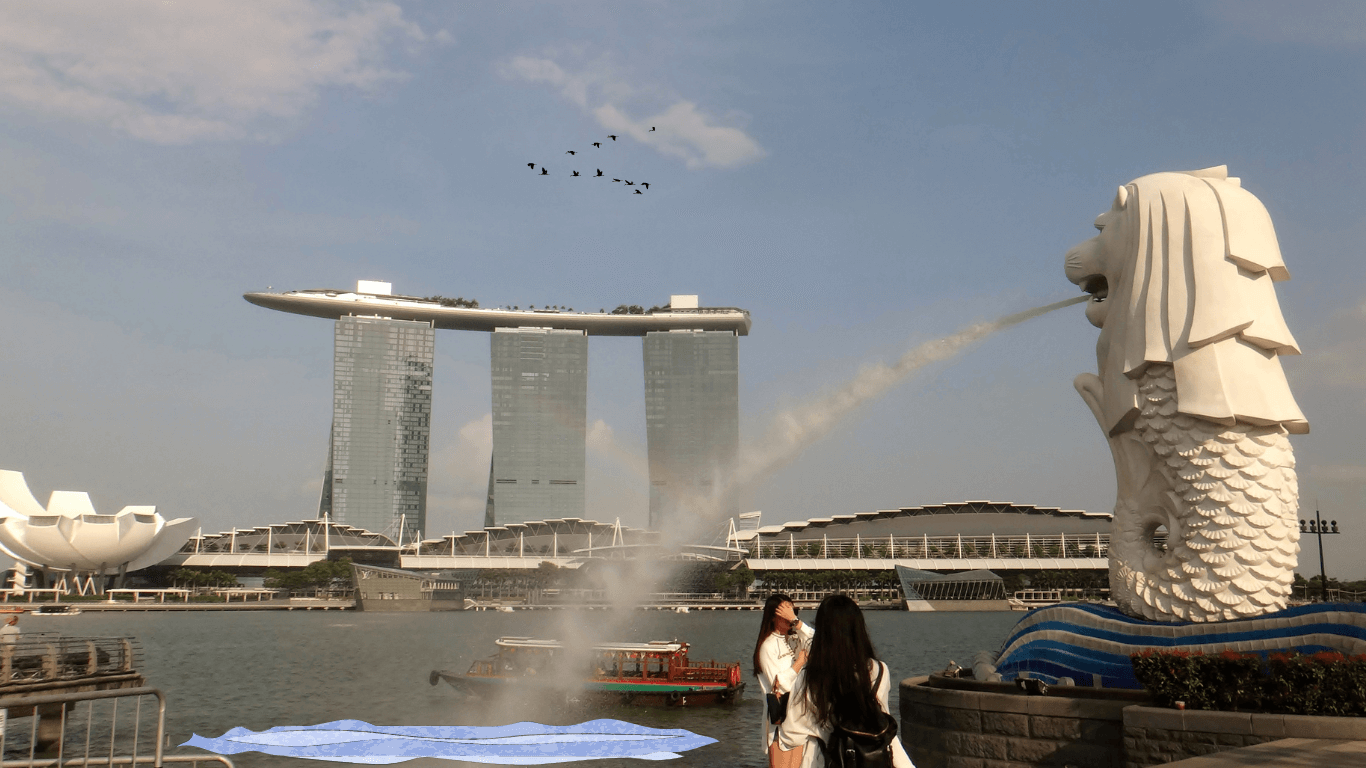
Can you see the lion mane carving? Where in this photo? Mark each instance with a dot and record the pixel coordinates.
(1192, 398)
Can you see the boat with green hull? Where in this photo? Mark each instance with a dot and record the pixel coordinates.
(656, 673)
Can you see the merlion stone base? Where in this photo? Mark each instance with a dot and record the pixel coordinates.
(1092, 643)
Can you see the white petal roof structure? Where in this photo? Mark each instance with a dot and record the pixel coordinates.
(70, 535)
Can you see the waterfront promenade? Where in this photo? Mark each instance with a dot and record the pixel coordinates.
(263, 605)
(1286, 753)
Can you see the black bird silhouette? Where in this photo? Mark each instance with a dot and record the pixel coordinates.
(599, 171)
(616, 179)
(651, 129)
(630, 183)
(532, 166)
(598, 144)
(576, 173)
(544, 172)
(645, 184)
(610, 136)
(571, 152)
(638, 192)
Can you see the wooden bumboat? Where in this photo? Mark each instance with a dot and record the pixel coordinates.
(657, 673)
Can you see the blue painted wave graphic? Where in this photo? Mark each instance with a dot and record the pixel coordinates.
(356, 741)
(1087, 641)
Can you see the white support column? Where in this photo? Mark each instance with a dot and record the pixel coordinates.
(825, 547)
(521, 544)
(1029, 547)
(891, 547)
(791, 547)
(924, 545)
(960, 546)
(993, 544)
(858, 546)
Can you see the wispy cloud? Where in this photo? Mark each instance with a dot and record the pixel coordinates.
(1338, 473)
(458, 488)
(1326, 23)
(681, 130)
(1335, 357)
(175, 73)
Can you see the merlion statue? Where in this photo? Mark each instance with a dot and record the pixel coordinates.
(1192, 398)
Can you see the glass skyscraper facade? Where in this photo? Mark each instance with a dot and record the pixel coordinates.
(692, 423)
(540, 412)
(381, 425)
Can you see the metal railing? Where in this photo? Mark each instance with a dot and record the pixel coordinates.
(57, 736)
(46, 659)
(1070, 545)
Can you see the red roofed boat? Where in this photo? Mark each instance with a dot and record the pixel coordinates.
(657, 673)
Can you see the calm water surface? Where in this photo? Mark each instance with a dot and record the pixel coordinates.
(261, 669)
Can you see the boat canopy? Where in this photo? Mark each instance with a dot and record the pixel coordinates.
(654, 646)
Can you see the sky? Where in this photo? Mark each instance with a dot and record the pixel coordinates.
(863, 178)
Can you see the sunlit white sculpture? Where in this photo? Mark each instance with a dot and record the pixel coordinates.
(1192, 397)
(69, 535)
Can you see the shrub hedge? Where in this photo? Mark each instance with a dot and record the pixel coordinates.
(1326, 683)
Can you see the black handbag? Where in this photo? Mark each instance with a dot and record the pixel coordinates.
(777, 707)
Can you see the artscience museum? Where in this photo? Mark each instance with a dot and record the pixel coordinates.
(72, 544)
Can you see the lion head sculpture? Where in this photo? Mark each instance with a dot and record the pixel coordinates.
(1183, 272)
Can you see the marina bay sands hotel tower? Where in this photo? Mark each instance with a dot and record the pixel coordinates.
(377, 467)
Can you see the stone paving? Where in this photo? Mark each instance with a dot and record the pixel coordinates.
(1285, 753)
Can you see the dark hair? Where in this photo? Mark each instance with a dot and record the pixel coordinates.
(767, 624)
(837, 675)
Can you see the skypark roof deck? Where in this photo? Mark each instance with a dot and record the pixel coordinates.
(329, 303)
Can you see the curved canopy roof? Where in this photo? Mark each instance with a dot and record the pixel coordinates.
(962, 508)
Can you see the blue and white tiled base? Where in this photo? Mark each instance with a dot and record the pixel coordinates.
(1092, 643)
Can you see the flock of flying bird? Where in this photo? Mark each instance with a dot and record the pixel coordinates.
(597, 144)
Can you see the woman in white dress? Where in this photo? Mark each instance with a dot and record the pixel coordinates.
(779, 653)
(837, 682)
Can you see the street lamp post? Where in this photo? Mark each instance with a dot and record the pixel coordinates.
(1317, 527)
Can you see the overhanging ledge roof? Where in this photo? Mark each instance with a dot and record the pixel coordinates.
(953, 508)
(334, 304)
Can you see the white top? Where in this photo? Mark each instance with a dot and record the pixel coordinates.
(9, 633)
(800, 729)
(776, 657)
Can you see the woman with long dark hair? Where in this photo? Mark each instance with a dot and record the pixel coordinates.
(779, 653)
(843, 683)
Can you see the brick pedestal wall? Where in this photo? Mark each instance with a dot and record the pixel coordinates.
(944, 728)
(1154, 736)
(1002, 728)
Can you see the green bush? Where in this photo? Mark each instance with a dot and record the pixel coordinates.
(1326, 683)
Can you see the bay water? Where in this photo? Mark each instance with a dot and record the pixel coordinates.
(258, 669)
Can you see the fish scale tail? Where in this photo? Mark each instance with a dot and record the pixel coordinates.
(1231, 504)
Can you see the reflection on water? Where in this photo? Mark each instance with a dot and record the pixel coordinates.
(259, 670)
